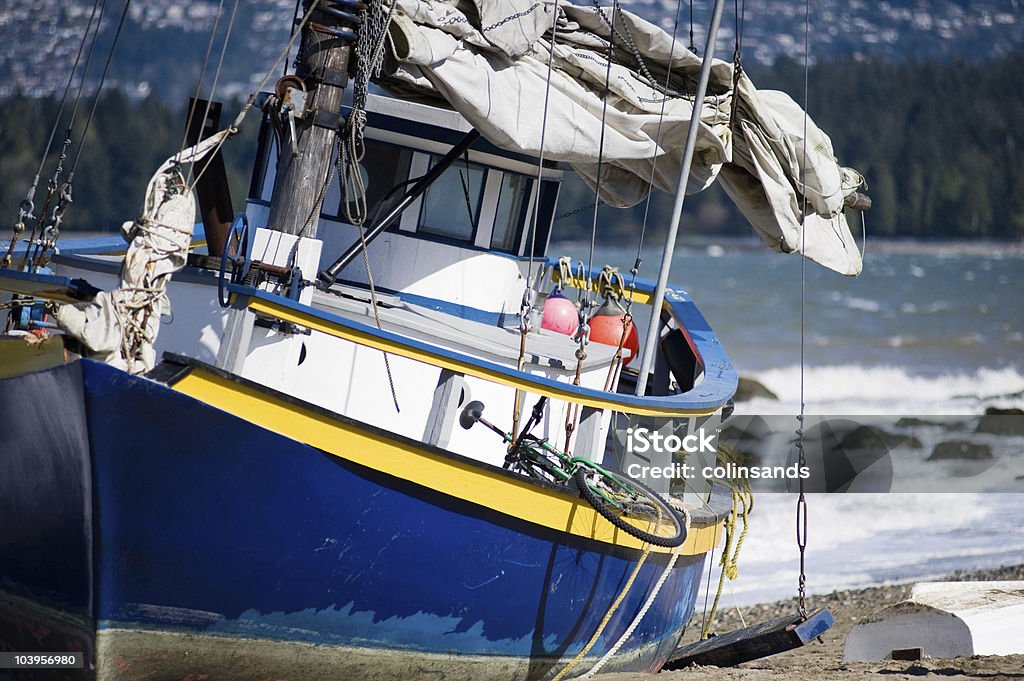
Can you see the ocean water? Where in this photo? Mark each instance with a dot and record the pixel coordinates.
(925, 330)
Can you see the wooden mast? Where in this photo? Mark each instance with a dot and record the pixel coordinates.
(303, 162)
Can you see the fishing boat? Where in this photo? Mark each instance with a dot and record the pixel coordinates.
(361, 430)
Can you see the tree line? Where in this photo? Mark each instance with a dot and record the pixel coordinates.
(126, 141)
(941, 146)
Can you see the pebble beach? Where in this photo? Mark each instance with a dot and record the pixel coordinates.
(821, 661)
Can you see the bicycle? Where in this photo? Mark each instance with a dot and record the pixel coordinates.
(626, 503)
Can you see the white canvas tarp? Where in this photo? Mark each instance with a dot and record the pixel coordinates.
(489, 61)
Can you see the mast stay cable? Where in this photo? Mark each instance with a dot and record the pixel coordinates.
(801, 504)
(51, 231)
(27, 204)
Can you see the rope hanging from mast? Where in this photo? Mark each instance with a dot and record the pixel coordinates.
(216, 75)
(638, 261)
(737, 64)
(254, 95)
(526, 308)
(202, 76)
(586, 300)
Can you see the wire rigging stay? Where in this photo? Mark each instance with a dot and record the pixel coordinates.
(52, 230)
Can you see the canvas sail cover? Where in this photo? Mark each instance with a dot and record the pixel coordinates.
(120, 327)
(488, 59)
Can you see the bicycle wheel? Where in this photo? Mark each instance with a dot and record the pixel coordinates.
(631, 506)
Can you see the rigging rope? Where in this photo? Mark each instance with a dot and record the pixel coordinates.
(676, 552)
(28, 203)
(801, 504)
(53, 184)
(348, 169)
(585, 297)
(737, 62)
(526, 307)
(742, 505)
(51, 232)
(600, 151)
(638, 261)
(216, 78)
(532, 282)
(202, 76)
(209, 102)
(249, 103)
(607, 616)
(352, 148)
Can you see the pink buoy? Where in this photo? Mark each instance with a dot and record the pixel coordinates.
(560, 314)
(606, 328)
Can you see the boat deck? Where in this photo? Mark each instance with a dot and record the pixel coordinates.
(543, 348)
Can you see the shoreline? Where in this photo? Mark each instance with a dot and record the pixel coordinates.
(819, 661)
(698, 244)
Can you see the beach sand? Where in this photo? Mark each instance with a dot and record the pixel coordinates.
(824, 660)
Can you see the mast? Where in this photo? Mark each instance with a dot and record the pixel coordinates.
(654, 327)
(308, 110)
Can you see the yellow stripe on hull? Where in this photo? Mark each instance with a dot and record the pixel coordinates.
(269, 309)
(517, 498)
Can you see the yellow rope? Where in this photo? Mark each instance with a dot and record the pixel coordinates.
(742, 498)
(643, 611)
(607, 617)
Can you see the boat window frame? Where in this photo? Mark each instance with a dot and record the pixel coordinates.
(520, 224)
(334, 191)
(477, 214)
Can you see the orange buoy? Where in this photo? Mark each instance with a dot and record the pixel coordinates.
(560, 314)
(606, 328)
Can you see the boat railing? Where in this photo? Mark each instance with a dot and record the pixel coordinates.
(709, 395)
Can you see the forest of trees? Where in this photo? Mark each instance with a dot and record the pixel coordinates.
(941, 145)
(126, 142)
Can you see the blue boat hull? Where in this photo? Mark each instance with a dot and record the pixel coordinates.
(205, 544)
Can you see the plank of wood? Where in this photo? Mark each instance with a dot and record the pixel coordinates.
(753, 642)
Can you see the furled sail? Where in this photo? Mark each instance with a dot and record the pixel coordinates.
(489, 61)
(120, 327)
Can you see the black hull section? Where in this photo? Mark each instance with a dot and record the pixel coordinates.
(46, 528)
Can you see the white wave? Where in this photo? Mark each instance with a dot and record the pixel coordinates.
(840, 519)
(852, 390)
(858, 540)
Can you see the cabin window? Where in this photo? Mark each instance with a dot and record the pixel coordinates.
(382, 169)
(451, 205)
(509, 215)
